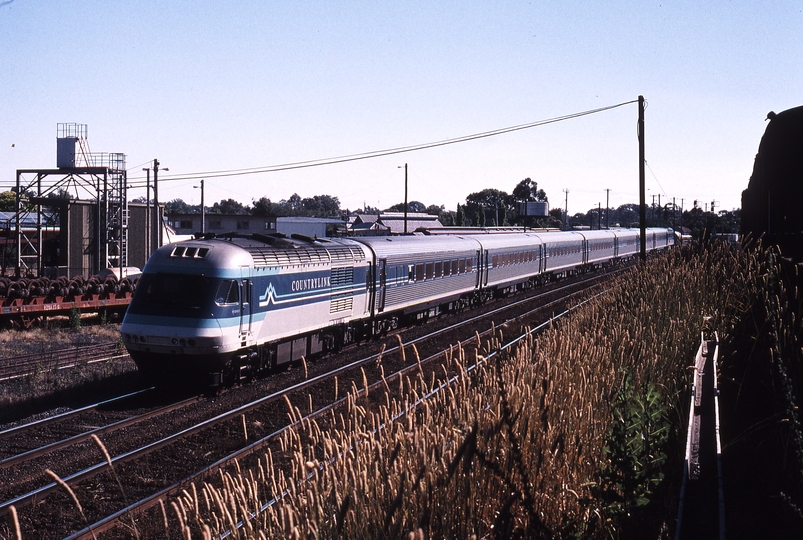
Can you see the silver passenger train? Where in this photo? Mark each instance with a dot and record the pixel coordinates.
(234, 304)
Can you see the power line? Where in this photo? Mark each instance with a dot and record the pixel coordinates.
(378, 153)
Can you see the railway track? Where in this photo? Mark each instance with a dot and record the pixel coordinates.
(30, 364)
(191, 450)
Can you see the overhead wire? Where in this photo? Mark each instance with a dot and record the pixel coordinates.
(655, 177)
(376, 153)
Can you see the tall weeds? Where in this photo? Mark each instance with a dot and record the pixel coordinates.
(565, 437)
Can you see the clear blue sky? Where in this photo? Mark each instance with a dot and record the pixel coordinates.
(214, 86)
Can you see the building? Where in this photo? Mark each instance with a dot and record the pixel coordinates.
(185, 225)
(392, 223)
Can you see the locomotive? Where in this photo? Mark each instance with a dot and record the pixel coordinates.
(233, 304)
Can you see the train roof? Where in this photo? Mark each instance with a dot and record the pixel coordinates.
(400, 245)
(509, 240)
(257, 250)
(281, 250)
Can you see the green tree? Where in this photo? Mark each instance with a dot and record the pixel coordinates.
(228, 206)
(489, 206)
(321, 206)
(8, 201)
(178, 206)
(263, 207)
(527, 191)
(434, 209)
(293, 206)
(412, 206)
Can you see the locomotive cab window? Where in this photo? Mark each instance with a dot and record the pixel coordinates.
(181, 291)
(228, 292)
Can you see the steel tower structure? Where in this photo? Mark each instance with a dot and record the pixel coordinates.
(99, 178)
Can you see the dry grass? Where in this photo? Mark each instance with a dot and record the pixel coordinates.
(528, 445)
(521, 448)
(48, 388)
(44, 340)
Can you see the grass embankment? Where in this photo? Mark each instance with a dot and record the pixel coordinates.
(571, 436)
(53, 388)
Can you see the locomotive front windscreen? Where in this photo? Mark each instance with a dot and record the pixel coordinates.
(175, 290)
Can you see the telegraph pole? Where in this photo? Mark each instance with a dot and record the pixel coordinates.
(147, 212)
(157, 218)
(156, 230)
(203, 208)
(599, 215)
(642, 197)
(405, 198)
(607, 208)
(566, 210)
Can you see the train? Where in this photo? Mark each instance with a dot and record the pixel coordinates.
(228, 306)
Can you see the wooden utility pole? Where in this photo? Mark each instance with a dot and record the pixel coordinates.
(156, 230)
(641, 189)
(405, 198)
(599, 216)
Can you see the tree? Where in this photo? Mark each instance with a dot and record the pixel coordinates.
(371, 210)
(321, 206)
(627, 215)
(262, 207)
(293, 206)
(489, 206)
(60, 193)
(178, 206)
(8, 201)
(527, 191)
(412, 206)
(434, 209)
(229, 206)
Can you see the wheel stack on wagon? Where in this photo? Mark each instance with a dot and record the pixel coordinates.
(25, 300)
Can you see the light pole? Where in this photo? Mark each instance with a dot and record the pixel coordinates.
(203, 209)
(405, 197)
(157, 218)
(147, 212)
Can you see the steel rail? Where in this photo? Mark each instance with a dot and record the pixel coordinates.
(16, 367)
(10, 432)
(52, 447)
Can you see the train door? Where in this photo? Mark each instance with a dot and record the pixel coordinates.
(370, 284)
(479, 268)
(383, 281)
(245, 307)
(541, 258)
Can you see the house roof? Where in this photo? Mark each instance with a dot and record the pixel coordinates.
(394, 221)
